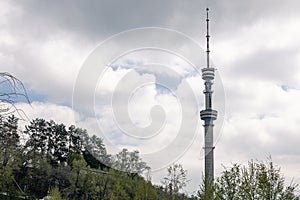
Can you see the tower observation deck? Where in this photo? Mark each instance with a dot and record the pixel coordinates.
(208, 115)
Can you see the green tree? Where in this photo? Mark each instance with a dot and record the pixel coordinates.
(144, 190)
(257, 180)
(10, 155)
(39, 133)
(78, 178)
(54, 194)
(48, 139)
(75, 141)
(207, 189)
(94, 151)
(9, 140)
(35, 176)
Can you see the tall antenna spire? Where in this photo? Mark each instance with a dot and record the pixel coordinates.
(207, 37)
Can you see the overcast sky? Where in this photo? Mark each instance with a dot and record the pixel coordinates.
(255, 46)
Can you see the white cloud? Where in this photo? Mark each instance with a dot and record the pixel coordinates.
(266, 34)
(48, 111)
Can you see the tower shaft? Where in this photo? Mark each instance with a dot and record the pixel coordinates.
(208, 115)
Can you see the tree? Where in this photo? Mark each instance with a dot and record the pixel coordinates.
(207, 189)
(75, 141)
(9, 140)
(11, 91)
(77, 189)
(130, 162)
(257, 180)
(175, 180)
(49, 139)
(94, 151)
(54, 194)
(57, 143)
(39, 133)
(10, 154)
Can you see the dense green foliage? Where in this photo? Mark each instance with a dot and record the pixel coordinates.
(66, 163)
(257, 181)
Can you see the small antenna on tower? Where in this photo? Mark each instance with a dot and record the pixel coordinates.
(207, 37)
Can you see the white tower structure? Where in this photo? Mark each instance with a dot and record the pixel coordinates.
(208, 115)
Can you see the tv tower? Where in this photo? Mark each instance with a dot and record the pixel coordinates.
(208, 115)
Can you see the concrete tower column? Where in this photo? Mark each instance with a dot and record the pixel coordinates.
(208, 115)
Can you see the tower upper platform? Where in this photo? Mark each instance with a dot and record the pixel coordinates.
(209, 114)
(208, 74)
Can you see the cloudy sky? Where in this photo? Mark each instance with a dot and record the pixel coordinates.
(96, 65)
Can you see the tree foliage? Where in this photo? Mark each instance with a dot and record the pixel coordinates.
(54, 194)
(10, 155)
(67, 163)
(256, 181)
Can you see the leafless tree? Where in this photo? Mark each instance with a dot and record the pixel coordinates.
(175, 180)
(12, 90)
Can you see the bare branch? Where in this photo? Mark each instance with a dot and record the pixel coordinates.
(13, 91)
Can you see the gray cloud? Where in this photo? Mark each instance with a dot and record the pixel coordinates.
(95, 19)
(98, 19)
(276, 65)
